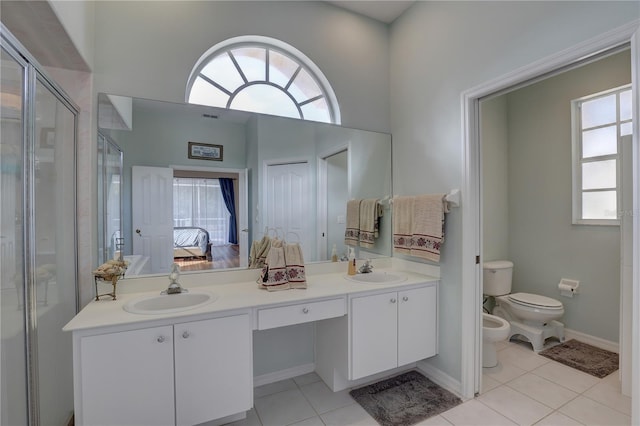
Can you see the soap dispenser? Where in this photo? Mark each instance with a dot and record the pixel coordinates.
(352, 262)
(334, 254)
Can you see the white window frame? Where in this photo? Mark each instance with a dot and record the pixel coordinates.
(577, 160)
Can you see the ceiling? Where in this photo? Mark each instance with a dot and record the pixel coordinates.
(381, 10)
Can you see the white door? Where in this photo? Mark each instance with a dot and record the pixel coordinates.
(417, 324)
(152, 215)
(374, 334)
(288, 204)
(213, 369)
(127, 378)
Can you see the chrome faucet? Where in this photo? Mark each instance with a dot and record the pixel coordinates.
(174, 285)
(366, 268)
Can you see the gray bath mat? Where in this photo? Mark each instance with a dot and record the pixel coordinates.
(404, 400)
(581, 356)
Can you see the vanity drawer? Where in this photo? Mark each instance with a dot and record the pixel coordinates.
(300, 313)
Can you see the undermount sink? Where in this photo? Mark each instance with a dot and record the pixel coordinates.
(169, 303)
(380, 277)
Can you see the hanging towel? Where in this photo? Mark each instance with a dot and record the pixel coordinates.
(258, 254)
(402, 223)
(428, 226)
(274, 273)
(352, 233)
(369, 222)
(295, 265)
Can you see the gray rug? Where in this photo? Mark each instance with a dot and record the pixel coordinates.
(581, 356)
(404, 400)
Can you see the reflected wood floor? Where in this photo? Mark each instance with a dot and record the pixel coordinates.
(225, 256)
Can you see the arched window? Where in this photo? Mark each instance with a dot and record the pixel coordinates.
(264, 75)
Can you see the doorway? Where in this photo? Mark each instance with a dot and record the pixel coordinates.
(472, 218)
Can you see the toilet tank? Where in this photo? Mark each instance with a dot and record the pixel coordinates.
(496, 277)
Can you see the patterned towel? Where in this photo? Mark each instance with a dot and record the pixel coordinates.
(352, 233)
(295, 265)
(402, 223)
(428, 226)
(370, 212)
(274, 273)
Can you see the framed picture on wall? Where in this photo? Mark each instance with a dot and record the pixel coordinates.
(205, 151)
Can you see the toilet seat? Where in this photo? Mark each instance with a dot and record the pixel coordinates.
(535, 301)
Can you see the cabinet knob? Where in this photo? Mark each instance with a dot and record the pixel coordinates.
(305, 310)
(393, 300)
(405, 298)
(160, 339)
(185, 335)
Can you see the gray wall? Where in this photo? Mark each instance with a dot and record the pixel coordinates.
(543, 244)
(440, 49)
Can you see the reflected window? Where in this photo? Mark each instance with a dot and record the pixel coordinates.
(263, 75)
(600, 123)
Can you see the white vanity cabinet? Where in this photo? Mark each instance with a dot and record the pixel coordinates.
(183, 373)
(392, 329)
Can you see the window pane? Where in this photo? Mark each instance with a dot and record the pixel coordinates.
(203, 93)
(603, 141)
(626, 128)
(281, 68)
(222, 70)
(304, 87)
(625, 105)
(265, 99)
(599, 111)
(599, 174)
(251, 61)
(599, 205)
(316, 111)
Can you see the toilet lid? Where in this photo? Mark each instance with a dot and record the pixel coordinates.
(535, 300)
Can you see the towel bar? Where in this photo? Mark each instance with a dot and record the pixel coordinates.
(453, 198)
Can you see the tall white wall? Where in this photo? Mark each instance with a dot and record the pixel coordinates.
(437, 51)
(147, 49)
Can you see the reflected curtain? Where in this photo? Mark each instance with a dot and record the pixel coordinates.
(199, 202)
(226, 186)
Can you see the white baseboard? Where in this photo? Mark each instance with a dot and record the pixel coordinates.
(592, 340)
(441, 378)
(288, 373)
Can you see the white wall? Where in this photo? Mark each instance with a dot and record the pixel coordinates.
(77, 19)
(440, 49)
(543, 244)
(147, 49)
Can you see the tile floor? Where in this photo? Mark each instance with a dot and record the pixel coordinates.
(525, 389)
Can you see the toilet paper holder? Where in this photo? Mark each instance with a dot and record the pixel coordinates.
(568, 287)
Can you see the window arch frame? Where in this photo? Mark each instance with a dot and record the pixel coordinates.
(268, 43)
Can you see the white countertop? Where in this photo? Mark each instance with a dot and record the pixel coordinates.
(234, 296)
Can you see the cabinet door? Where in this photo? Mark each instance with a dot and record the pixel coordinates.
(127, 378)
(417, 324)
(374, 323)
(214, 369)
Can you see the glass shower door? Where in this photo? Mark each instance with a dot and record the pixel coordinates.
(13, 368)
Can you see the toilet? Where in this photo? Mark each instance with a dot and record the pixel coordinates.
(531, 316)
(494, 329)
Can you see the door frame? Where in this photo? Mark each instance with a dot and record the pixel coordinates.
(471, 372)
(322, 204)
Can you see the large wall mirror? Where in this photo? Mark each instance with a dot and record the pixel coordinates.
(200, 184)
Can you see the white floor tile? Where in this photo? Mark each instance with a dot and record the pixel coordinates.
(251, 420)
(434, 421)
(275, 387)
(313, 421)
(305, 379)
(283, 408)
(558, 419)
(473, 412)
(488, 383)
(542, 390)
(514, 405)
(609, 394)
(350, 415)
(520, 357)
(503, 372)
(590, 412)
(323, 399)
(565, 376)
